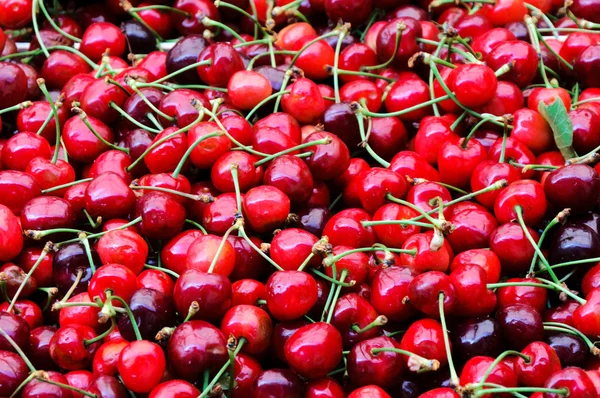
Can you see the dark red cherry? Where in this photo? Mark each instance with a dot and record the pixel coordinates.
(520, 324)
(194, 347)
(380, 368)
(475, 337)
(522, 54)
(107, 387)
(582, 183)
(212, 292)
(14, 84)
(278, 383)
(162, 216)
(16, 328)
(67, 263)
(68, 348)
(13, 372)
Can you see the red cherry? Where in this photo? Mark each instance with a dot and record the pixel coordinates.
(542, 364)
(528, 195)
(100, 37)
(472, 296)
(11, 242)
(68, 348)
(304, 102)
(345, 229)
(123, 247)
(425, 337)
(575, 380)
(115, 277)
(133, 365)
(265, 208)
(382, 368)
(406, 94)
(426, 259)
(290, 294)
(205, 250)
(389, 284)
(212, 292)
(515, 252)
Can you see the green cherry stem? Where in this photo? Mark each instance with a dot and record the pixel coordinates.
(336, 61)
(73, 285)
(67, 185)
(55, 26)
(208, 388)
(338, 289)
(359, 112)
(263, 102)
(88, 250)
(332, 280)
(188, 152)
(17, 349)
(99, 234)
(330, 295)
(133, 85)
(453, 375)
(536, 248)
(43, 254)
(416, 363)
(243, 234)
(499, 358)
(134, 325)
(101, 336)
(18, 107)
(381, 320)
(36, 29)
(559, 219)
(84, 118)
(66, 387)
(509, 390)
(323, 141)
(184, 69)
(42, 85)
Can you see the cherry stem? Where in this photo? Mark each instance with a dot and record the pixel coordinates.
(47, 248)
(84, 118)
(336, 62)
(306, 262)
(397, 222)
(499, 390)
(527, 167)
(17, 349)
(93, 224)
(236, 185)
(73, 285)
(499, 358)
(264, 101)
(327, 262)
(560, 218)
(330, 295)
(417, 363)
(132, 120)
(133, 85)
(271, 53)
(473, 131)
(564, 328)
(188, 152)
(184, 69)
(134, 324)
(242, 233)
(206, 391)
(165, 270)
(42, 85)
(206, 21)
(533, 36)
(406, 110)
(359, 113)
(98, 234)
(453, 375)
(519, 213)
(161, 7)
(436, 223)
(55, 26)
(338, 289)
(381, 320)
(238, 223)
(200, 198)
(252, 17)
(89, 342)
(332, 280)
(18, 107)
(67, 387)
(32, 375)
(193, 310)
(36, 29)
(164, 139)
(551, 50)
(322, 141)
(436, 111)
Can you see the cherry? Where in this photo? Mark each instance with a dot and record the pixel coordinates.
(380, 368)
(36, 388)
(39, 347)
(291, 247)
(292, 176)
(15, 327)
(107, 357)
(346, 229)
(14, 84)
(520, 324)
(424, 291)
(574, 242)
(185, 52)
(456, 162)
(413, 165)
(133, 365)
(352, 314)
(194, 347)
(151, 310)
(250, 323)
(575, 380)
(470, 281)
(179, 388)
(69, 349)
(547, 96)
(521, 53)
(508, 99)
(68, 262)
(277, 383)
(475, 337)
(406, 94)
(388, 284)
(208, 249)
(123, 247)
(102, 36)
(535, 297)
(387, 37)
(530, 128)
(542, 364)
(587, 60)
(283, 298)
(153, 208)
(581, 180)
(473, 84)
(296, 102)
(212, 292)
(11, 242)
(80, 315)
(489, 172)
(13, 371)
(224, 63)
(472, 228)
(528, 195)
(394, 235)
(476, 367)
(27, 310)
(247, 174)
(265, 208)
(586, 135)
(79, 379)
(304, 350)
(313, 219)
(425, 258)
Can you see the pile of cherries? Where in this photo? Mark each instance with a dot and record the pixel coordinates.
(300, 198)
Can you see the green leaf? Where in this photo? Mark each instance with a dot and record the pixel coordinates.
(557, 117)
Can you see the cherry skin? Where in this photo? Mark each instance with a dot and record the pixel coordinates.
(424, 291)
(14, 81)
(531, 129)
(388, 284)
(473, 84)
(194, 347)
(106, 358)
(283, 298)
(375, 184)
(327, 161)
(406, 94)
(476, 337)
(133, 365)
(523, 55)
(351, 309)
(102, 36)
(371, 391)
(476, 367)
(472, 296)
(212, 292)
(413, 165)
(265, 208)
(457, 163)
(225, 62)
(345, 229)
(504, 241)
(11, 242)
(107, 386)
(382, 369)
(296, 103)
(151, 310)
(153, 208)
(37, 388)
(426, 259)
(250, 323)
(543, 363)
(13, 371)
(291, 247)
(425, 338)
(535, 297)
(582, 182)
(394, 235)
(527, 194)
(304, 350)
(81, 144)
(432, 134)
(204, 249)
(489, 172)
(123, 247)
(292, 176)
(69, 350)
(278, 383)
(575, 380)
